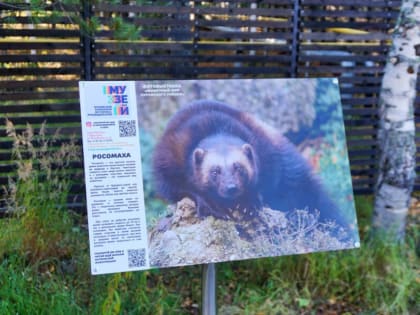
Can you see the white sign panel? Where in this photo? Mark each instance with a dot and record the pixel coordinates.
(113, 174)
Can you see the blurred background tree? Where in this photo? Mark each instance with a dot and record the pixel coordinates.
(397, 127)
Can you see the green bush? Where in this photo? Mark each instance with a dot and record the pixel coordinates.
(38, 195)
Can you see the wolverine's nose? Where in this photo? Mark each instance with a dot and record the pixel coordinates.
(232, 190)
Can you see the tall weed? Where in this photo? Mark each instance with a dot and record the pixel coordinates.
(38, 194)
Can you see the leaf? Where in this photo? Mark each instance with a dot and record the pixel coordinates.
(302, 302)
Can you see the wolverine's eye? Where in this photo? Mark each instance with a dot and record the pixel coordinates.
(215, 172)
(238, 168)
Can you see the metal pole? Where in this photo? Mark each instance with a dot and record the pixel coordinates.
(209, 289)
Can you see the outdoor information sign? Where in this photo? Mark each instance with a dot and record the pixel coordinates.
(185, 172)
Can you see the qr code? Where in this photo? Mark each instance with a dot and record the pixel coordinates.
(127, 128)
(136, 258)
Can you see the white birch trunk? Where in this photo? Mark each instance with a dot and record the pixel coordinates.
(397, 127)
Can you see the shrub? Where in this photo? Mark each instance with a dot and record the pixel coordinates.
(38, 194)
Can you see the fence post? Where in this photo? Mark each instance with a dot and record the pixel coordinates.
(295, 38)
(86, 42)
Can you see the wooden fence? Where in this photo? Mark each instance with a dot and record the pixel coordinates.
(43, 55)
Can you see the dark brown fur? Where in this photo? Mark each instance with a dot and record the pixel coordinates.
(281, 179)
(223, 168)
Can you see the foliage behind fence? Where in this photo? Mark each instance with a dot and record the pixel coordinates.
(44, 51)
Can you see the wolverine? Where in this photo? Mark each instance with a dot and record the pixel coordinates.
(225, 159)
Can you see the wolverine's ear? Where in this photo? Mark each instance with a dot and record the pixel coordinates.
(198, 156)
(249, 152)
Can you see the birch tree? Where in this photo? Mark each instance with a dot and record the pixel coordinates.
(397, 127)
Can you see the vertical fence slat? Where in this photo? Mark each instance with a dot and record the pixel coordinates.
(87, 43)
(295, 41)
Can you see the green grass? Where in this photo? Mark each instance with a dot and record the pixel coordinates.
(26, 291)
(44, 267)
(378, 278)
